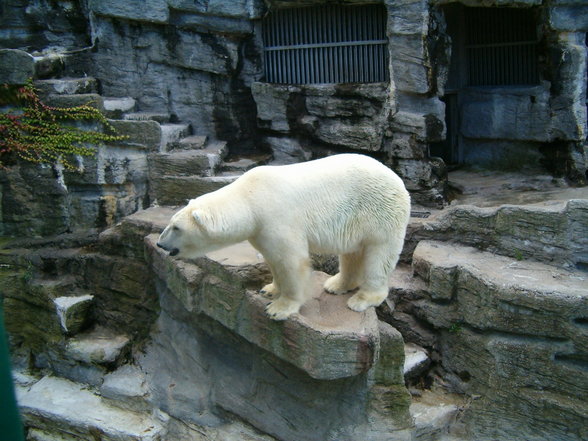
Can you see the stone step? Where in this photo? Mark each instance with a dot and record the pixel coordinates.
(162, 118)
(203, 162)
(73, 100)
(540, 231)
(435, 415)
(40, 292)
(53, 287)
(171, 133)
(116, 108)
(58, 409)
(98, 346)
(87, 357)
(416, 361)
(50, 65)
(144, 135)
(194, 142)
(73, 312)
(242, 164)
(67, 86)
(177, 190)
(126, 388)
(490, 292)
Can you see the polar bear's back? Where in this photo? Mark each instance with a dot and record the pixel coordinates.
(337, 202)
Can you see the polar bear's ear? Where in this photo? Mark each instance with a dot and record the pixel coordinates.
(203, 220)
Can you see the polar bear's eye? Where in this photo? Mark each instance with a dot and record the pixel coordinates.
(175, 228)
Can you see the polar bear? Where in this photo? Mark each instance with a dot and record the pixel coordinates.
(348, 204)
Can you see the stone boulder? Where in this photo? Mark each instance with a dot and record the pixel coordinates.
(327, 340)
(16, 66)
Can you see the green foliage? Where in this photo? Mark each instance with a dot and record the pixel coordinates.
(35, 132)
(455, 327)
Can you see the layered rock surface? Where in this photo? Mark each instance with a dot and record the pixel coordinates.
(502, 304)
(328, 372)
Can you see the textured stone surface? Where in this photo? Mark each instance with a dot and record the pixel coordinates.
(327, 342)
(512, 332)
(73, 312)
(347, 116)
(126, 388)
(141, 134)
(569, 16)
(522, 383)
(80, 413)
(16, 66)
(434, 411)
(416, 360)
(203, 162)
(540, 231)
(99, 346)
(67, 86)
(177, 190)
(497, 293)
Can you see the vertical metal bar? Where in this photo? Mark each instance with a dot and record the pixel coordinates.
(372, 60)
(305, 18)
(295, 53)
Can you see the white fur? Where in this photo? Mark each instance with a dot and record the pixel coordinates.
(350, 205)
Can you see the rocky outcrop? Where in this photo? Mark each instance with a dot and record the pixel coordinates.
(328, 372)
(505, 320)
(553, 232)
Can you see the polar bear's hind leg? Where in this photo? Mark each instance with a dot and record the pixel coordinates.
(292, 276)
(378, 263)
(347, 279)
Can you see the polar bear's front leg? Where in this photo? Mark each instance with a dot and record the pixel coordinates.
(282, 308)
(270, 291)
(293, 282)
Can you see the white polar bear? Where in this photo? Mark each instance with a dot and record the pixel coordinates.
(349, 204)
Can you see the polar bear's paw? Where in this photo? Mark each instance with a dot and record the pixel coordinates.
(336, 285)
(270, 291)
(282, 308)
(362, 300)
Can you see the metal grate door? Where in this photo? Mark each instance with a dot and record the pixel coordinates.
(326, 44)
(501, 47)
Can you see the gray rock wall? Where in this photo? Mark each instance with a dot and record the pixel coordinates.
(39, 24)
(194, 61)
(508, 331)
(42, 200)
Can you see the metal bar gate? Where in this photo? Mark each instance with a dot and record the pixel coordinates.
(326, 44)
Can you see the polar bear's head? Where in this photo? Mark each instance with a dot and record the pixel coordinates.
(189, 233)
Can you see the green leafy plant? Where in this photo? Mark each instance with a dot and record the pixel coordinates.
(35, 132)
(456, 327)
(518, 255)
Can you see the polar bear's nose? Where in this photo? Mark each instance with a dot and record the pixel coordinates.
(172, 252)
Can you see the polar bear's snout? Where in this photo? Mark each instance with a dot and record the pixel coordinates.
(172, 252)
(164, 242)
